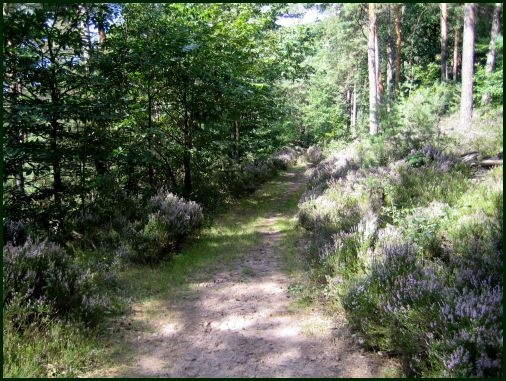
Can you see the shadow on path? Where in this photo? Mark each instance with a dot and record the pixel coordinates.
(238, 320)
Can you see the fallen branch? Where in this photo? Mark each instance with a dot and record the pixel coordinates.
(490, 162)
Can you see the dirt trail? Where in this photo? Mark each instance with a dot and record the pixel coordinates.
(240, 321)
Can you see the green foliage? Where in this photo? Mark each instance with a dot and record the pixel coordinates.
(491, 84)
(40, 277)
(420, 186)
(171, 221)
(49, 348)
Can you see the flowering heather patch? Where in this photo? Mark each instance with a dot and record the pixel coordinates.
(416, 251)
(40, 273)
(335, 166)
(397, 302)
(314, 154)
(14, 232)
(326, 215)
(283, 158)
(171, 220)
(451, 313)
(180, 217)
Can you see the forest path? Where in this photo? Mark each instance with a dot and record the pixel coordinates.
(235, 316)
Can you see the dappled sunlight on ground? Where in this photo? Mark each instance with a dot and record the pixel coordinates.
(237, 319)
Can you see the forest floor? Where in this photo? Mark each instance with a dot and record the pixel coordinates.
(231, 311)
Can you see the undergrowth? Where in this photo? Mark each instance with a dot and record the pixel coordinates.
(406, 239)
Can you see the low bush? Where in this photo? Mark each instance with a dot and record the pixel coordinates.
(170, 222)
(420, 186)
(39, 276)
(283, 158)
(14, 232)
(314, 154)
(396, 304)
(410, 245)
(245, 178)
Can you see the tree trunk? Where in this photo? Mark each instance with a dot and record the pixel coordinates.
(151, 172)
(390, 58)
(466, 103)
(101, 30)
(100, 164)
(456, 53)
(398, 45)
(492, 50)
(444, 41)
(11, 75)
(373, 88)
(237, 141)
(55, 127)
(187, 150)
(19, 178)
(354, 100)
(377, 63)
(84, 29)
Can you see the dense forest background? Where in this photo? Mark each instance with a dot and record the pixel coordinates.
(129, 127)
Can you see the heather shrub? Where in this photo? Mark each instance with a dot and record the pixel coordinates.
(284, 158)
(397, 303)
(327, 215)
(39, 276)
(170, 222)
(314, 154)
(333, 167)
(471, 317)
(445, 318)
(349, 253)
(422, 226)
(420, 186)
(181, 217)
(14, 232)
(245, 178)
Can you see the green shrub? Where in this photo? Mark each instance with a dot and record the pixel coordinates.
(170, 222)
(39, 276)
(314, 154)
(14, 232)
(420, 186)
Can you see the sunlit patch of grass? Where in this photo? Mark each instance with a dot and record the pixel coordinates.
(313, 328)
(49, 349)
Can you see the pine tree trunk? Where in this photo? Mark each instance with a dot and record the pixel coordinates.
(12, 77)
(84, 29)
(398, 45)
(373, 89)
(237, 141)
(187, 187)
(444, 41)
(151, 171)
(101, 30)
(456, 53)
(55, 129)
(466, 103)
(377, 62)
(492, 50)
(100, 164)
(354, 100)
(390, 57)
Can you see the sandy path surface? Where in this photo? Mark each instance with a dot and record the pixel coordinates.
(241, 322)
